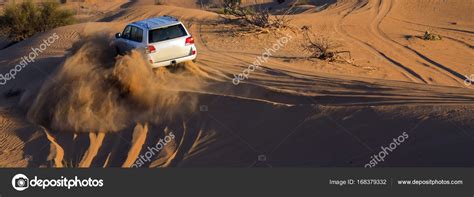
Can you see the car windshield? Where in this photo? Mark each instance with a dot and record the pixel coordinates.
(166, 33)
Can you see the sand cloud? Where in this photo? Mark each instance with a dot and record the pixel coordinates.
(94, 91)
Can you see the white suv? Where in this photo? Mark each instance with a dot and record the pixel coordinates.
(164, 40)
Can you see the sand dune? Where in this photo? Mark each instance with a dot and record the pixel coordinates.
(372, 27)
(292, 111)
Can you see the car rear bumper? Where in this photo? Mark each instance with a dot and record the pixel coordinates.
(173, 61)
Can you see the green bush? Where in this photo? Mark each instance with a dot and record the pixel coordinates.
(21, 21)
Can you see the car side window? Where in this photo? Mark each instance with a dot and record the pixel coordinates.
(136, 34)
(126, 32)
(139, 35)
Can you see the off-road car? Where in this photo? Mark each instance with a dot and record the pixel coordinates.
(164, 40)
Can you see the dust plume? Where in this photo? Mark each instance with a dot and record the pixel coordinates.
(94, 91)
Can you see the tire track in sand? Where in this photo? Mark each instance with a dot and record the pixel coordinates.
(404, 70)
(384, 7)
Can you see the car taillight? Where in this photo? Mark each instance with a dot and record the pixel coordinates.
(189, 40)
(151, 49)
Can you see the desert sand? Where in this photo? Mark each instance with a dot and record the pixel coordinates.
(60, 111)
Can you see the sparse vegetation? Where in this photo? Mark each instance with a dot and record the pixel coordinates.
(431, 36)
(231, 6)
(260, 20)
(21, 21)
(324, 48)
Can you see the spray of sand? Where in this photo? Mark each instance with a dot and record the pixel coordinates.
(93, 90)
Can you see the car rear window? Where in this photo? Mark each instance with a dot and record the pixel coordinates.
(167, 33)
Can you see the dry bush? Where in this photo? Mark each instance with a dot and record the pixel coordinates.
(324, 48)
(431, 36)
(21, 21)
(260, 20)
(231, 6)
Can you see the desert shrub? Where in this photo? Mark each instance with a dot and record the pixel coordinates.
(21, 21)
(231, 6)
(323, 47)
(260, 19)
(431, 36)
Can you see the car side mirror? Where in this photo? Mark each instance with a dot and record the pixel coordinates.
(118, 35)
